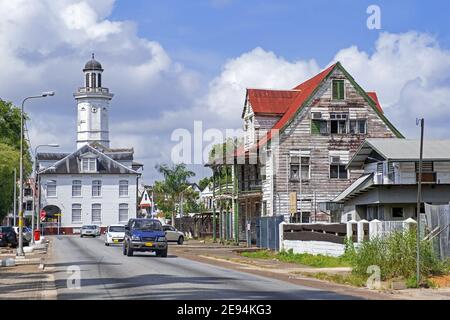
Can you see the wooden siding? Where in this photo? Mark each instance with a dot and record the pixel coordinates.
(298, 136)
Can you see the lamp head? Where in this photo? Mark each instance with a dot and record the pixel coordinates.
(48, 94)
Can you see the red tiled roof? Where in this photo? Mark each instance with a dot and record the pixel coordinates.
(374, 97)
(270, 101)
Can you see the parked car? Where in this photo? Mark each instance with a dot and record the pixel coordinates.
(26, 232)
(144, 235)
(90, 231)
(8, 237)
(114, 234)
(173, 235)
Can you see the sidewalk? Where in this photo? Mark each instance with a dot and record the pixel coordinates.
(28, 279)
(229, 257)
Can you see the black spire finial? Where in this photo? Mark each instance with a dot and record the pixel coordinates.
(92, 56)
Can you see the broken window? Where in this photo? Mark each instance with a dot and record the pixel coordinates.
(397, 212)
(337, 169)
(338, 123)
(299, 166)
(358, 126)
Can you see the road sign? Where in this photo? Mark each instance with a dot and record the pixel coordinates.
(42, 215)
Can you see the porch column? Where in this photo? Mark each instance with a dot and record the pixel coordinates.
(214, 205)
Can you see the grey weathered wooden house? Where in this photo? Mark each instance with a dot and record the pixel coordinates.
(296, 147)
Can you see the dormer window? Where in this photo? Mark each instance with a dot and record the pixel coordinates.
(89, 164)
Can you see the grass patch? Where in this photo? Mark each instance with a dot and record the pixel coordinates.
(348, 279)
(395, 255)
(317, 261)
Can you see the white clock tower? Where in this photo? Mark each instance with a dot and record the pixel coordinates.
(92, 107)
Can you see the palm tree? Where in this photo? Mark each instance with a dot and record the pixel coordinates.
(175, 182)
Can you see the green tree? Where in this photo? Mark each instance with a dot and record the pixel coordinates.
(203, 183)
(9, 160)
(10, 152)
(176, 180)
(191, 201)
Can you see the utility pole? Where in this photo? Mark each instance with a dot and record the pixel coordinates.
(20, 252)
(15, 199)
(419, 199)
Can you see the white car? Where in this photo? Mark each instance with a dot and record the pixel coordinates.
(90, 231)
(173, 235)
(114, 234)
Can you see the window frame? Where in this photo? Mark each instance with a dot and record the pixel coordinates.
(91, 162)
(96, 184)
(72, 212)
(127, 188)
(338, 98)
(339, 166)
(98, 207)
(76, 185)
(122, 207)
(54, 184)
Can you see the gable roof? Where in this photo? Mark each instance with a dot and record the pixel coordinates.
(308, 88)
(70, 164)
(401, 150)
(374, 97)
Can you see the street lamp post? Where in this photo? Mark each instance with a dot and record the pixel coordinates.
(37, 185)
(44, 94)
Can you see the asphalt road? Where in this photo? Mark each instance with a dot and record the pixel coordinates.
(107, 274)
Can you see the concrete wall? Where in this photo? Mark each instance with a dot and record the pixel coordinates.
(314, 247)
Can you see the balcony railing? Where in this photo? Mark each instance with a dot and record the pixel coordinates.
(250, 185)
(92, 90)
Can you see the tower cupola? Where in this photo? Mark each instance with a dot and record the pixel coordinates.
(93, 106)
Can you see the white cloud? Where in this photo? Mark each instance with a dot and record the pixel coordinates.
(255, 69)
(411, 74)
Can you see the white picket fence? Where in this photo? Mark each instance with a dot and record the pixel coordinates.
(375, 229)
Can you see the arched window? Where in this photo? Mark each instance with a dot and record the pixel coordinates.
(93, 81)
(99, 80)
(87, 80)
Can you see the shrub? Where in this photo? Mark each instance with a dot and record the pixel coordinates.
(396, 256)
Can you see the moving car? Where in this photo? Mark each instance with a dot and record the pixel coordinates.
(26, 232)
(144, 235)
(90, 231)
(115, 233)
(8, 237)
(173, 235)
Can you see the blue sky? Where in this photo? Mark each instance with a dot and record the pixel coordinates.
(171, 63)
(217, 30)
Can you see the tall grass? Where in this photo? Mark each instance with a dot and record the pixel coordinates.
(396, 256)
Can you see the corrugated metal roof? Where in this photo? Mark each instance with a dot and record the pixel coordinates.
(361, 183)
(401, 150)
(270, 101)
(408, 149)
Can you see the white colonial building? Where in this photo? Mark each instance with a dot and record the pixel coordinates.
(95, 184)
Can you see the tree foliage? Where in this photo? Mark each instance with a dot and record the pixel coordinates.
(10, 154)
(168, 191)
(9, 160)
(203, 183)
